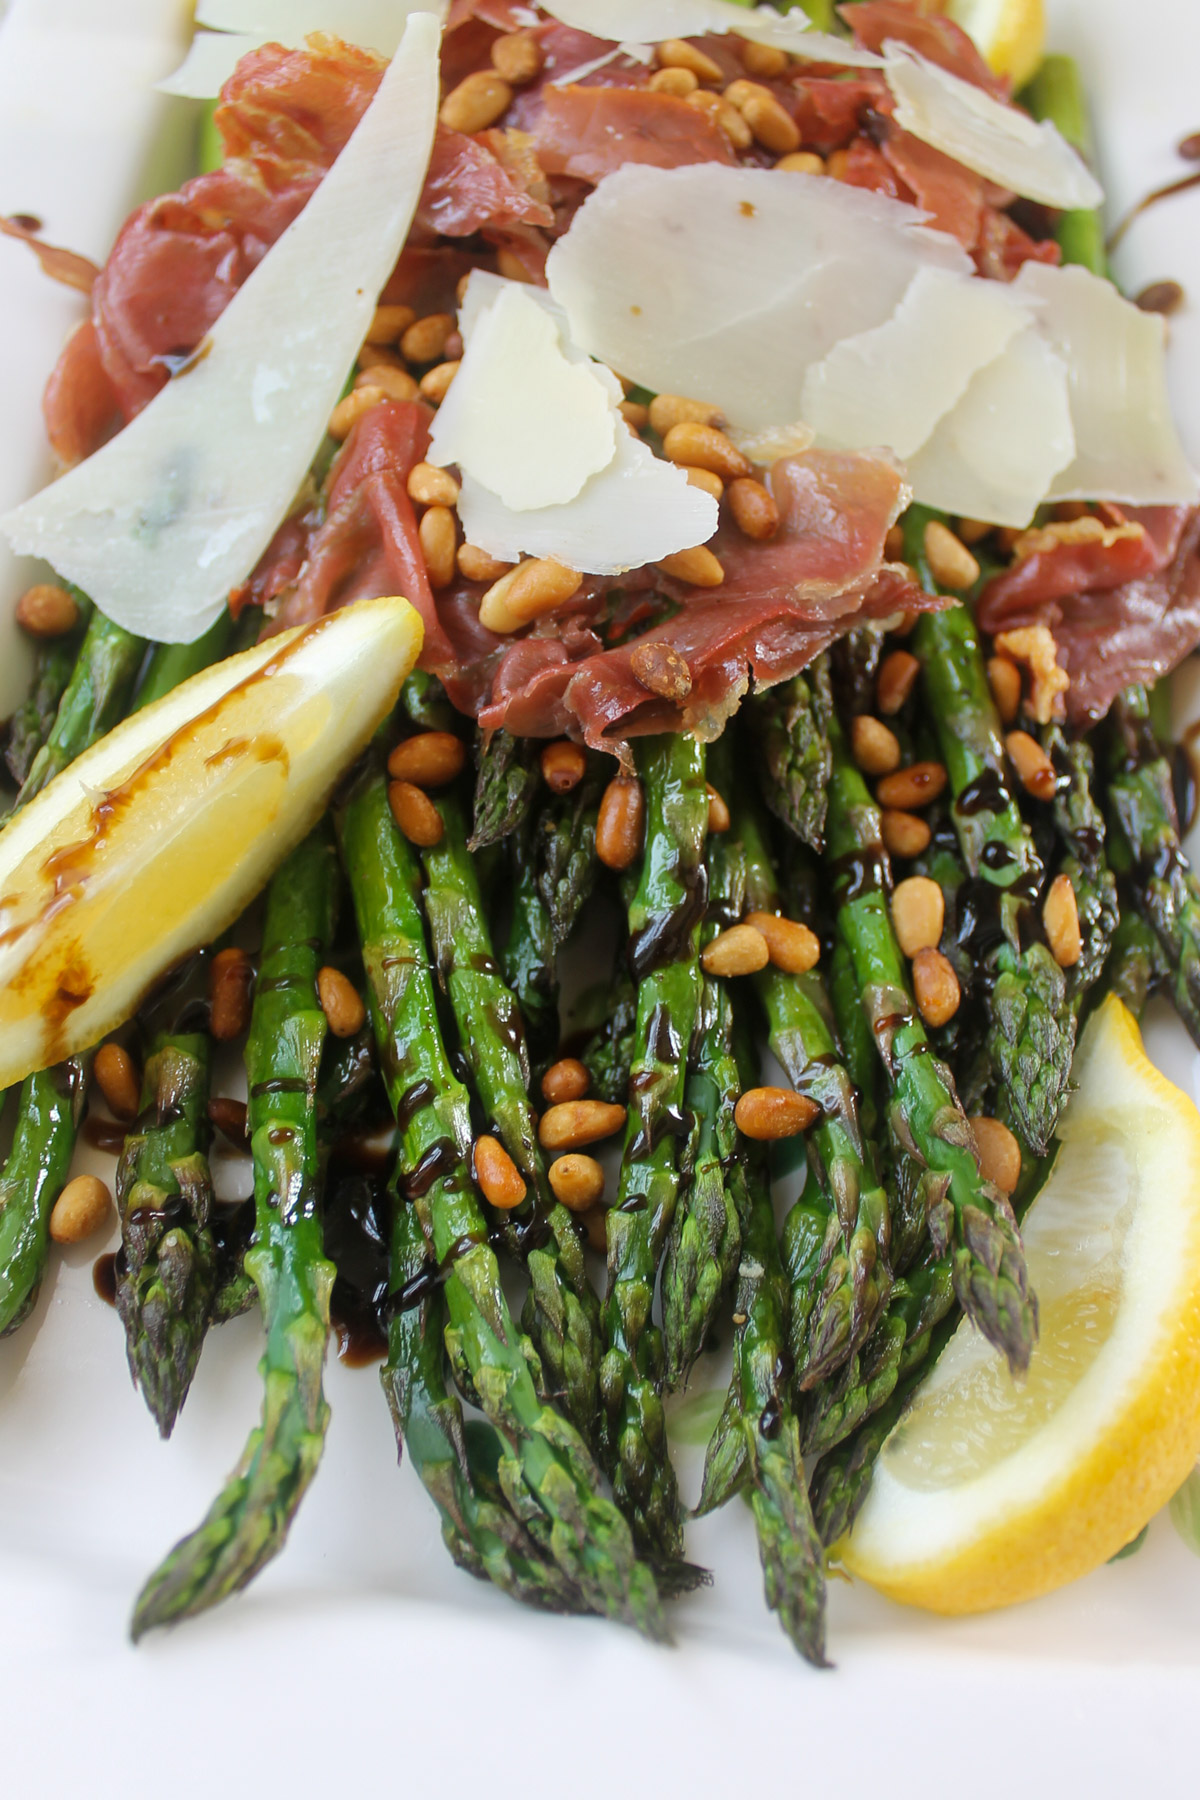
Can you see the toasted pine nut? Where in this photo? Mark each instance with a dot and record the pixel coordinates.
(534, 587)
(738, 951)
(803, 162)
(677, 53)
(438, 535)
(341, 1002)
(895, 682)
(661, 670)
(434, 385)
(706, 481)
(477, 102)
(1004, 678)
(393, 384)
(972, 531)
(837, 164)
(1034, 646)
(475, 564)
(514, 267)
(229, 1117)
(999, 1153)
(573, 1123)
(429, 759)
(739, 91)
(918, 914)
(430, 486)
(903, 833)
(348, 412)
(914, 786)
(718, 812)
(425, 339)
(595, 1223)
(935, 986)
(388, 323)
(893, 543)
(566, 1079)
(635, 415)
(704, 447)
(375, 356)
(415, 814)
(578, 1181)
(117, 1080)
(773, 126)
(874, 746)
(518, 57)
(773, 1112)
(1034, 769)
(698, 567)
(563, 766)
(668, 410)
(754, 508)
(47, 610)
(792, 946)
(674, 81)
(500, 1181)
(230, 984)
(1060, 916)
(729, 119)
(80, 1210)
(764, 60)
(950, 562)
(620, 822)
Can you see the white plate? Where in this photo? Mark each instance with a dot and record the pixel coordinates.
(361, 1657)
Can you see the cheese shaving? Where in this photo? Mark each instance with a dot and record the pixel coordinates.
(522, 419)
(891, 385)
(1128, 447)
(162, 522)
(659, 19)
(1000, 142)
(239, 26)
(211, 59)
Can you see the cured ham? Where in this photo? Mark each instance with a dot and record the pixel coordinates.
(588, 132)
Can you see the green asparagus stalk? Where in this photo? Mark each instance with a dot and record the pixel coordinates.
(527, 957)
(54, 663)
(1031, 1036)
(1079, 824)
(972, 1221)
(1056, 93)
(94, 700)
(789, 724)
(505, 784)
(608, 1053)
(248, 1523)
(547, 1473)
(562, 1314)
(50, 1107)
(664, 920)
(705, 1238)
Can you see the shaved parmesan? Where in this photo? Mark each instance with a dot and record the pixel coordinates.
(891, 385)
(1128, 448)
(659, 19)
(768, 446)
(636, 511)
(239, 26)
(163, 521)
(726, 284)
(520, 418)
(999, 142)
(996, 453)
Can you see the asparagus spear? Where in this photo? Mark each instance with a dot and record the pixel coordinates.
(31, 724)
(527, 956)
(841, 1296)
(664, 920)
(1079, 824)
(759, 1412)
(94, 700)
(547, 1473)
(49, 1110)
(562, 1314)
(1031, 1036)
(1056, 93)
(505, 784)
(705, 1238)
(248, 1522)
(972, 1221)
(789, 725)
(608, 1053)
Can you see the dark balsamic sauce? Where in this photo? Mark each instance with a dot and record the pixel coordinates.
(356, 1224)
(665, 938)
(104, 1134)
(859, 872)
(987, 793)
(104, 1277)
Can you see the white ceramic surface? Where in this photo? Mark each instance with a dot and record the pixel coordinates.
(361, 1659)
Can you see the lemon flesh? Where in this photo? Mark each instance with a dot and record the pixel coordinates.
(1010, 34)
(159, 836)
(988, 1492)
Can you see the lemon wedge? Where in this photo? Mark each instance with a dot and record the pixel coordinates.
(155, 839)
(1010, 34)
(987, 1492)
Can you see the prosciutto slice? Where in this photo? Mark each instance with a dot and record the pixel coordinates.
(587, 132)
(937, 38)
